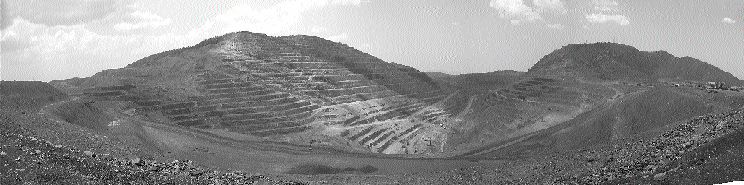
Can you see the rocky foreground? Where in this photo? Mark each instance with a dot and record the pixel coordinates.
(26, 159)
(664, 158)
(705, 150)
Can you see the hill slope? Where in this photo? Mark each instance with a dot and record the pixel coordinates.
(300, 89)
(309, 91)
(27, 94)
(580, 95)
(610, 61)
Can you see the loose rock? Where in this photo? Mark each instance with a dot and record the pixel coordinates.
(89, 153)
(136, 161)
(659, 176)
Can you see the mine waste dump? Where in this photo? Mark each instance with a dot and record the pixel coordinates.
(251, 108)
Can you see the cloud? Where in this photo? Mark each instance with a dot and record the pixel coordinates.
(728, 20)
(346, 2)
(605, 5)
(549, 6)
(279, 19)
(57, 12)
(34, 51)
(556, 26)
(144, 20)
(517, 11)
(606, 12)
(604, 18)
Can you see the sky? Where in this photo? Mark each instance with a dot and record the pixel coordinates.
(60, 39)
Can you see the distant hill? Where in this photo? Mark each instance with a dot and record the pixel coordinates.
(437, 74)
(610, 61)
(27, 94)
(473, 81)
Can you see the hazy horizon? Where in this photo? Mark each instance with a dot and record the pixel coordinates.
(67, 38)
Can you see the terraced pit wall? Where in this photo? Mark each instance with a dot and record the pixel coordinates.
(286, 87)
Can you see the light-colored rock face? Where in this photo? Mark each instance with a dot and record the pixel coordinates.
(328, 89)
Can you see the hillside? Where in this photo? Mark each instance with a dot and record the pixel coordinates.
(612, 62)
(500, 78)
(308, 91)
(577, 96)
(36, 149)
(26, 94)
(435, 75)
(299, 89)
